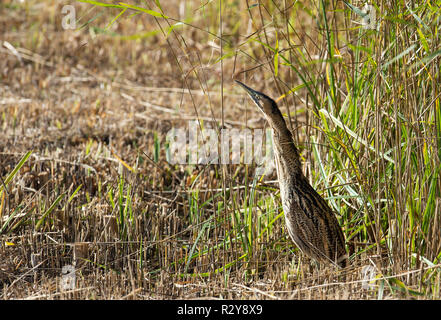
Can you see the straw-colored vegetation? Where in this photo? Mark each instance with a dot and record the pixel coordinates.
(85, 181)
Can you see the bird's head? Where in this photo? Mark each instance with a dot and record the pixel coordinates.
(266, 105)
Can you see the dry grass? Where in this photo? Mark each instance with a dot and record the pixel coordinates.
(94, 107)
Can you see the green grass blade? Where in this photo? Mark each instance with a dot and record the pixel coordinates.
(15, 171)
(48, 211)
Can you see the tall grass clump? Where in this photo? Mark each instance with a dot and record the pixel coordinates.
(372, 90)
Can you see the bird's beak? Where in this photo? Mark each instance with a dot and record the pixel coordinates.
(254, 95)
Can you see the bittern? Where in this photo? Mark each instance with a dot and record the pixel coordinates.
(311, 223)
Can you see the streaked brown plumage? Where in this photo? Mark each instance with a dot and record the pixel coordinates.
(310, 221)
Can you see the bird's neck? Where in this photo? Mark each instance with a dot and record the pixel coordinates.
(286, 154)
